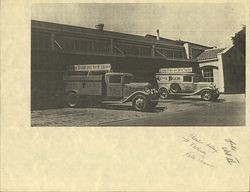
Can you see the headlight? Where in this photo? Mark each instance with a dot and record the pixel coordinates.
(152, 91)
(212, 85)
(147, 89)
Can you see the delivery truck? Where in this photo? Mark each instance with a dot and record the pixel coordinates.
(97, 83)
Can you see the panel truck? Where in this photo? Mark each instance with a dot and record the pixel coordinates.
(96, 82)
(183, 82)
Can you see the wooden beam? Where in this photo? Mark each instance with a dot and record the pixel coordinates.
(111, 46)
(52, 38)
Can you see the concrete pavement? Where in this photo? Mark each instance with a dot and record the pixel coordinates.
(229, 110)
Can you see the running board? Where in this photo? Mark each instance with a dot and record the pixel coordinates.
(112, 102)
(183, 94)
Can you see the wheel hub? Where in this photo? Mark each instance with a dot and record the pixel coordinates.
(207, 96)
(140, 103)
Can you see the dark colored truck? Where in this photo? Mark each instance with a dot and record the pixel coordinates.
(109, 87)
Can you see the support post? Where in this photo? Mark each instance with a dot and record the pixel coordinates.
(52, 38)
(153, 51)
(111, 46)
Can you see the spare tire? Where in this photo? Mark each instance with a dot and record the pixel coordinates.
(72, 99)
(175, 88)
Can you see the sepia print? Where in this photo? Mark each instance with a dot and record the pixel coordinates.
(128, 64)
(142, 96)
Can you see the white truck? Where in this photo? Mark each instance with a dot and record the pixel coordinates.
(183, 82)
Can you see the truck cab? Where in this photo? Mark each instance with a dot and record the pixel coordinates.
(121, 85)
(109, 86)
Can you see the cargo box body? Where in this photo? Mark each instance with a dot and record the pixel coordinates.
(85, 85)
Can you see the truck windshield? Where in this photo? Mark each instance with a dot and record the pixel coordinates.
(198, 78)
(128, 79)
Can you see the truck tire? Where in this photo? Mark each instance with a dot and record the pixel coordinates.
(163, 93)
(175, 88)
(215, 96)
(140, 103)
(153, 104)
(72, 99)
(206, 95)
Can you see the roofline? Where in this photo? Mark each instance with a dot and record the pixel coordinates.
(111, 33)
(180, 41)
(216, 49)
(226, 49)
(162, 38)
(207, 60)
(205, 46)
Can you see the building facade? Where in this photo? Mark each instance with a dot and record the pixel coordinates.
(225, 67)
(56, 46)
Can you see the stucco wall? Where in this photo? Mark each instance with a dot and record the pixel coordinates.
(229, 71)
(217, 72)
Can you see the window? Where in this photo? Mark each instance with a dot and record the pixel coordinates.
(208, 74)
(128, 79)
(187, 79)
(115, 79)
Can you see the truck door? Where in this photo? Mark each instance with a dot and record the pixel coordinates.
(114, 85)
(187, 85)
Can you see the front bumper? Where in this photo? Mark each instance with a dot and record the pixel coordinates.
(154, 96)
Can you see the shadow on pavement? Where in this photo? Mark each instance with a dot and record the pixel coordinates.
(188, 99)
(128, 108)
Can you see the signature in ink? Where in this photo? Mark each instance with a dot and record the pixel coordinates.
(229, 151)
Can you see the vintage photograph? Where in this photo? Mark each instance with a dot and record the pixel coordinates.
(138, 64)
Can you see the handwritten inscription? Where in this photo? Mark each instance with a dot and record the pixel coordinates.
(229, 151)
(199, 150)
(204, 152)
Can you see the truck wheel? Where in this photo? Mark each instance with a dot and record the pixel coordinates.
(72, 99)
(163, 93)
(215, 96)
(206, 95)
(140, 103)
(175, 88)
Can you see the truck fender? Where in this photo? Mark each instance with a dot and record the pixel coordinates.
(72, 90)
(130, 97)
(203, 89)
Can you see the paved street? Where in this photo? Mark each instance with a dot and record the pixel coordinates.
(229, 110)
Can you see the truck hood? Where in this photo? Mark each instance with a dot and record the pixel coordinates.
(203, 83)
(138, 84)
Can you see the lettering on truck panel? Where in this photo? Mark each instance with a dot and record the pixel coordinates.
(91, 88)
(168, 78)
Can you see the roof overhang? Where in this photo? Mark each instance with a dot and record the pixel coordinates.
(207, 60)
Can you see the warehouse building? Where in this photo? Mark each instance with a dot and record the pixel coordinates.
(54, 47)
